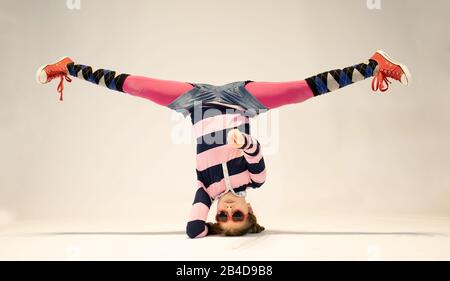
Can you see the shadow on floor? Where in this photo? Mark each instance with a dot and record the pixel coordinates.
(143, 233)
(267, 232)
(381, 233)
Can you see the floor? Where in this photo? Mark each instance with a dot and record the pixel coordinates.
(421, 238)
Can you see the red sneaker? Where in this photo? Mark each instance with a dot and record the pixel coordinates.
(48, 72)
(388, 68)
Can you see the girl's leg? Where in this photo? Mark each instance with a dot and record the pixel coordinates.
(162, 92)
(276, 94)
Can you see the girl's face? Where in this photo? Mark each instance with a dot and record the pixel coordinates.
(232, 211)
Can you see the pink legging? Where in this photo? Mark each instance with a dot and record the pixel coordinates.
(270, 94)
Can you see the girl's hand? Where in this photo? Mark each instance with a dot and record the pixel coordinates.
(235, 138)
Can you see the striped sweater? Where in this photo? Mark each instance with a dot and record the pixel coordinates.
(245, 166)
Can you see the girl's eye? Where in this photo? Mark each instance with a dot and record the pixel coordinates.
(238, 216)
(222, 216)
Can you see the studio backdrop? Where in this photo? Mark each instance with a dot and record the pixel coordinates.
(101, 154)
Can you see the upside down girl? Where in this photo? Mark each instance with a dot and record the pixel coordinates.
(229, 159)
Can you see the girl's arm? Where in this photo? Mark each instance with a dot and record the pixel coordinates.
(196, 226)
(252, 154)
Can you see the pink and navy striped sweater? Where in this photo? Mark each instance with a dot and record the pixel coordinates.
(245, 166)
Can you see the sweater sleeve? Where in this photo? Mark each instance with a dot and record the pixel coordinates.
(196, 226)
(255, 161)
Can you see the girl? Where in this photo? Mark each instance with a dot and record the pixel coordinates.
(229, 160)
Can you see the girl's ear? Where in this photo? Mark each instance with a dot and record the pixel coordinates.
(250, 209)
(256, 228)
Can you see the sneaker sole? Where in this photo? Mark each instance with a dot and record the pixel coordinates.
(38, 75)
(405, 69)
(39, 71)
